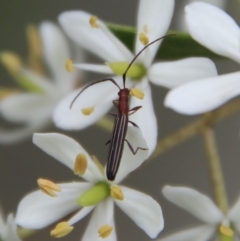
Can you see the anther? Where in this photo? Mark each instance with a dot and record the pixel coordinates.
(226, 231)
(88, 111)
(93, 22)
(61, 230)
(11, 61)
(69, 66)
(104, 231)
(143, 38)
(48, 187)
(137, 93)
(80, 165)
(116, 193)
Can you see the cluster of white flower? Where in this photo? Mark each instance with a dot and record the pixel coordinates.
(195, 87)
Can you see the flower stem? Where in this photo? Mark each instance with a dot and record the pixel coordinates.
(215, 169)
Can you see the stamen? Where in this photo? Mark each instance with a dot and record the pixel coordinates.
(48, 187)
(116, 193)
(226, 231)
(11, 61)
(93, 22)
(137, 93)
(88, 111)
(61, 230)
(143, 38)
(80, 165)
(69, 66)
(105, 231)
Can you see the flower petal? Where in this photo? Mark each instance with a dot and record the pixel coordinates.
(194, 202)
(145, 117)
(154, 18)
(56, 52)
(143, 210)
(214, 28)
(99, 41)
(26, 107)
(99, 68)
(11, 230)
(37, 210)
(99, 97)
(234, 215)
(203, 95)
(174, 73)
(65, 150)
(129, 161)
(102, 215)
(200, 233)
(80, 215)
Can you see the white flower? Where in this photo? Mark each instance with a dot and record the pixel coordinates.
(205, 210)
(216, 30)
(33, 108)
(8, 229)
(38, 210)
(153, 20)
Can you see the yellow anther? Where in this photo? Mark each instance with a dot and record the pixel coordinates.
(69, 66)
(48, 187)
(143, 38)
(80, 165)
(137, 93)
(116, 193)
(104, 231)
(61, 230)
(93, 22)
(226, 231)
(88, 111)
(11, 61)
(5, 92)
(34, 42)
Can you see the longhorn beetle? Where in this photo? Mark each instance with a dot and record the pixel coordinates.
(121, 120)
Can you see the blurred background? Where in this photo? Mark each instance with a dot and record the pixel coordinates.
(22, 164)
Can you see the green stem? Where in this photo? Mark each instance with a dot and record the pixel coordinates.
(215, 169)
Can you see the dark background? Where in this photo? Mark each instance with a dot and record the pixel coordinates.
(22, 164)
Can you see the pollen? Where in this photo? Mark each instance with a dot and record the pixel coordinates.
(226, 231)
(69, 66)
(105, 231)
(61, 230)
(88, 111)
(48, 187)
(116, 193)
(80, 165)
(93, 22)
(143, 38)
(137, 93)
(11, 61)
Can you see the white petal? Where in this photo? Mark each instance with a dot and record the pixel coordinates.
(214, 28)
(129, 161)
(99, 68)
(26, 107)
(55, 52)
(65, 150)
(174, 73)
(102, 215)
(80, 215)
(11, 230)
(37, 210)
(102, 43)
(99, 97)
(203, 95)
(143, 210)
(154, 17)
(201, 233)
(145, 117)
(234, 215)
(194, 202)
